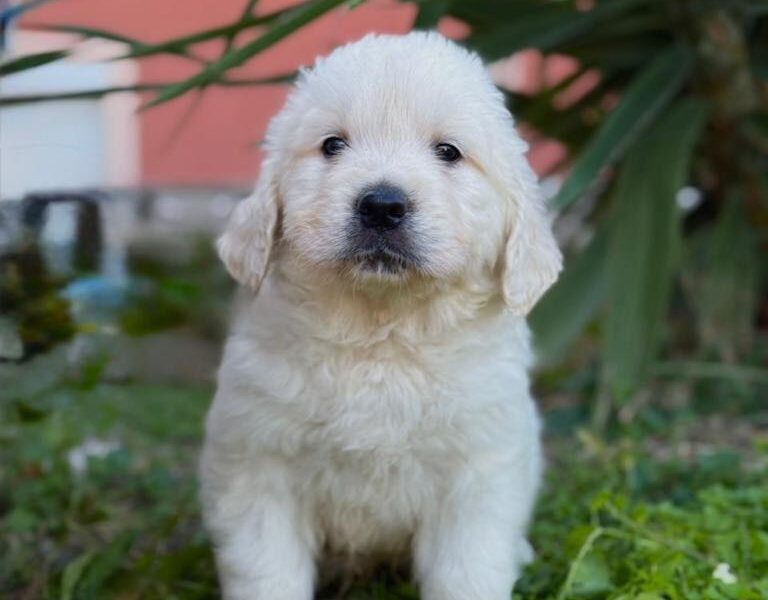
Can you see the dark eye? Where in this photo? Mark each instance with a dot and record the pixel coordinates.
(332, 146)
(447, 153)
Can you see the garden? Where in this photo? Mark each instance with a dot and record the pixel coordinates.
(653, 346)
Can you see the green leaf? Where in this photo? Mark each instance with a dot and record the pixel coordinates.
(92, 32)
(544, 26)
(29, 413)
(72, 575)
(757, 8)
(629, 52)
(137, 47)
(566, 124)
(722, 282)
(292, 21)
(643, 244)
(430, 12)
(246, 13)
(104, 565)
(11, 346)
(572, 302)
(21, 520)
(646, 97)
(592, 576)
(146, 87)
(711, 370)
(31, 61)
(181, 44)
(487, 15)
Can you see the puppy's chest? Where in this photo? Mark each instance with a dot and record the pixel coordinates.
(427, 400)
(384, 398)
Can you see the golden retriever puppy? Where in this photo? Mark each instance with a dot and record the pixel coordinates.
(373, 400)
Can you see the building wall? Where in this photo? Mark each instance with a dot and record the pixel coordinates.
(212, 137)
(64, 144)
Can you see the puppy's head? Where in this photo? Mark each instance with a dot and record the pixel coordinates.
(395, 159)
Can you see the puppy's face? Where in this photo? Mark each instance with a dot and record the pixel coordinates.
(394, 158)
(384, 179)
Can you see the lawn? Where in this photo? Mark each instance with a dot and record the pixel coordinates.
(98, 498)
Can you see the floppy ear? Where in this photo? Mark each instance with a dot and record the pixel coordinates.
(246, 244)
(532, 259)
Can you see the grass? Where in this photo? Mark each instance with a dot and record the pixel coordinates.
(617, 519)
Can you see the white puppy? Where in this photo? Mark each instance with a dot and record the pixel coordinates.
(373, 400)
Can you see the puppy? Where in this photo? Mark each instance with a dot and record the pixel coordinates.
(373, 399)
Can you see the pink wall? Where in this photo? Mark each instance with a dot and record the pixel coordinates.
(212, 137)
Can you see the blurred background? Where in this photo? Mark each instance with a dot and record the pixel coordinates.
(128, 130)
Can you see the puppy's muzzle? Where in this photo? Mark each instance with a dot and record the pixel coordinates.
(379, 238)
(382, 207)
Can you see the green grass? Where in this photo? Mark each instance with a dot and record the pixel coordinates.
(616, 519)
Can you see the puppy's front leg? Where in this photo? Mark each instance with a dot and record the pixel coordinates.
(264, 548)
(473, 545)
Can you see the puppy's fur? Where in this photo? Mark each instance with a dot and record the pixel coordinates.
(370, 408)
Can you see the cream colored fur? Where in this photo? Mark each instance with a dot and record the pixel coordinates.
(365, 415)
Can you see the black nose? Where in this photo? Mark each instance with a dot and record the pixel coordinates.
(382, 207)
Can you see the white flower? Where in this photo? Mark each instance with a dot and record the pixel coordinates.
(723, 573)
(78, 456)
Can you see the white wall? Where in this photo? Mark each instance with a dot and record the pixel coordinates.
(67, 143)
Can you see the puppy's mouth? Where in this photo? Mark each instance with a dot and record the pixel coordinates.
(387, 256)
(384, 260)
